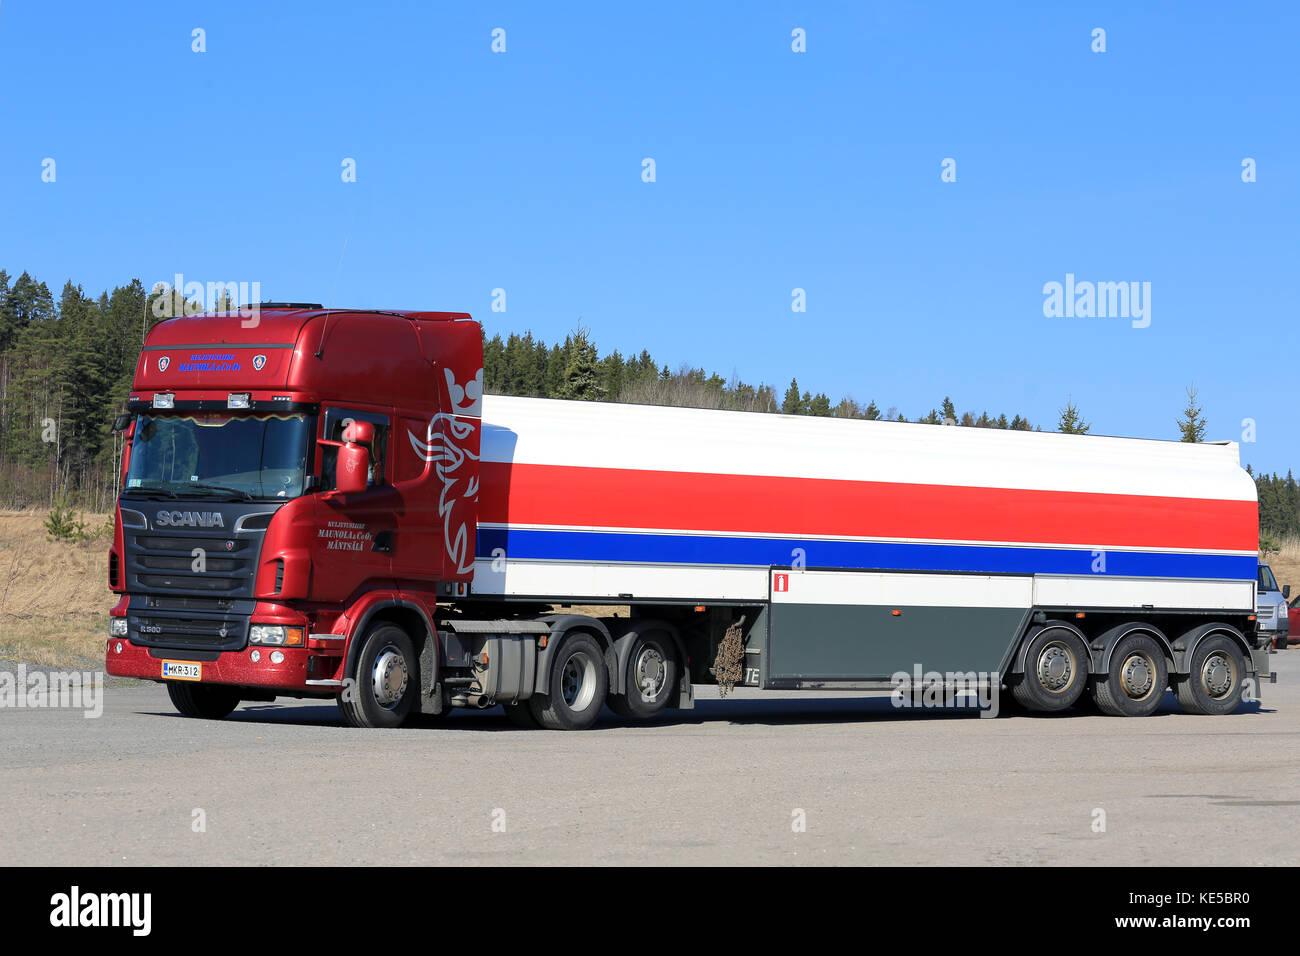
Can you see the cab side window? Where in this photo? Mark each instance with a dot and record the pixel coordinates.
(337, 419)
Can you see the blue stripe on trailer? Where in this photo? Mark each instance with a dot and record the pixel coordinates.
(535, 544)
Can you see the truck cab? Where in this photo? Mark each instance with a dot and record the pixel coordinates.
(265, 512)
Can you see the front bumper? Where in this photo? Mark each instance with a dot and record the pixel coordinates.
(231, 667)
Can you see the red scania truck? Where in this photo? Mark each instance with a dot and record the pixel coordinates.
(322, 503)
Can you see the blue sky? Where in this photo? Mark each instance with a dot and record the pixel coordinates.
(775, 170)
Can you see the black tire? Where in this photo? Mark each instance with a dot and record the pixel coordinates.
(650, 677)
(386, 682)
(209, 701)
(1135, 681)
(578, 682)
(1056, 671)
(521, 715)
(1213, 684)
(1008, 705)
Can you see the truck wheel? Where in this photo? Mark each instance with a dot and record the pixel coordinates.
(521, 715)
(210, 701)
(1056, 671)
(578, 682)
(1136, 680)
(1213, 684)
(650, 677)
(386, 681)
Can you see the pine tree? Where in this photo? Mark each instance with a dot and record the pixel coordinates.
(1072, 422)
(581, 380)
(1192, 424)
(792, 404)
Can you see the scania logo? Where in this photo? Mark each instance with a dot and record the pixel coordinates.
(163, 362)
(189, 519)
(259, 361)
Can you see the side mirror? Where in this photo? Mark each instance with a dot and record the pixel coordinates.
(1286, 592)
(121, 422)
(352, 469)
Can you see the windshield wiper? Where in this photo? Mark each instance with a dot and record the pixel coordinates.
(240, 493)
(142, 492)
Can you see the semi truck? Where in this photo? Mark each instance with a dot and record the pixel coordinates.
(323, 503)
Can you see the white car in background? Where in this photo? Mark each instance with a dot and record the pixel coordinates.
(1270, 607)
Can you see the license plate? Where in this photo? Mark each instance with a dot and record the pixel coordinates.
(182, 670)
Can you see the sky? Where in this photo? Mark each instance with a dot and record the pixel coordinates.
(922, 171)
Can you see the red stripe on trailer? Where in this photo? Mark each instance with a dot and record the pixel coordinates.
(566, 496)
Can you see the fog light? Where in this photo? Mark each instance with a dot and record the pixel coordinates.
(277, 657)
(255, 656)
(118, 649)
(164, 400)
(117, 627)
(238, 400)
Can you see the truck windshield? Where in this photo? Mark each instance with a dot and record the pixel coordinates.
(216, 455)
(1266, 580)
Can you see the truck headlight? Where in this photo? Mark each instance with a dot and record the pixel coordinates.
(117, 627)
(275, 634)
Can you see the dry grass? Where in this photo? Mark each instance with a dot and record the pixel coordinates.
(54, 596)
(1286, 565)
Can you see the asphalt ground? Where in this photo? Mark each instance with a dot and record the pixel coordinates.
(766, 778)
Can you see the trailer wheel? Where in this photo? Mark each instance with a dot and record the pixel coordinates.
(577, 683)
(1056, 671)
(650, 677)
(1135, 681)
(1213, 684)
(209, 701)
(521, 715)
(386, 681)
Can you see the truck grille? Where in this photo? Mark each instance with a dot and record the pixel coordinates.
(213, 634)
(161, 563)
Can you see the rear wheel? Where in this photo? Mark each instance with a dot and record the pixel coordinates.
(650, 676)
(1135, 681)
(386, 682)
(210, 701)
(1056, 671)
(1213, 684)
(577, 684)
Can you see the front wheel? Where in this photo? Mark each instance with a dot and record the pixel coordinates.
(386, 682)
(577, 684)
(209, 701)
